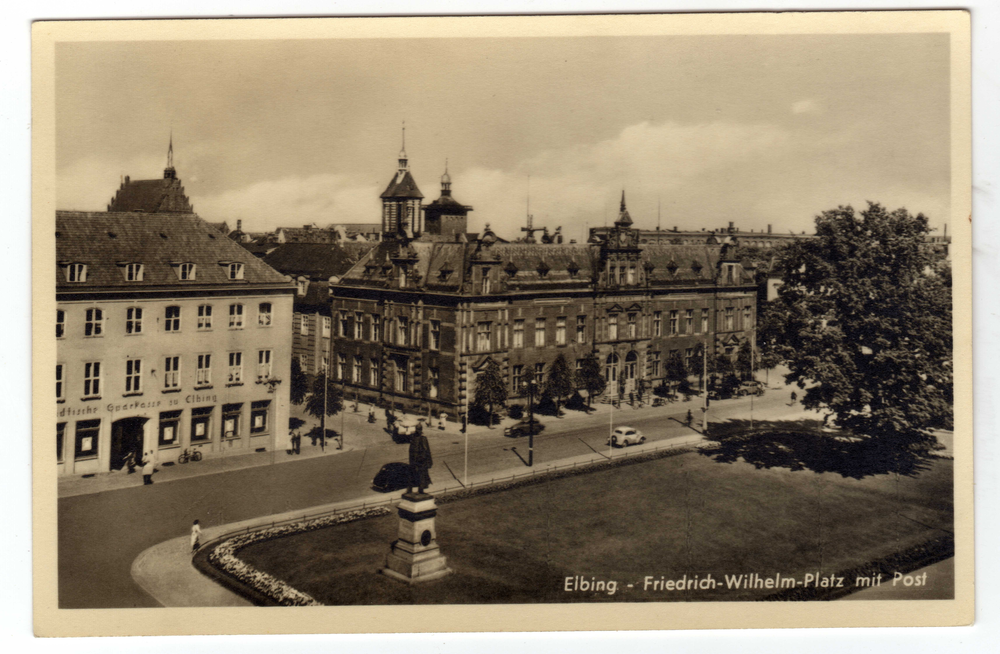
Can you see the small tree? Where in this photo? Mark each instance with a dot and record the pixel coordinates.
(334, 401)
(744, 363)
(675, 370)
(560, 383)
(491, 389)
(589, 377)
(299, 388)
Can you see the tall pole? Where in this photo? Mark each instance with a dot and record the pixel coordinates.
(465, 475)
(753, 355)
(343, 407)
(322, 422)
(611, 426)
(704, 383)
(531, 423)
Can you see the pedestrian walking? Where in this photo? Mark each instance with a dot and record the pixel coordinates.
(195, 536)
(689, 419)
(148, 467)
(794, 397)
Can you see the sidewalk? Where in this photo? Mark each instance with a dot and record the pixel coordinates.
(166, 572)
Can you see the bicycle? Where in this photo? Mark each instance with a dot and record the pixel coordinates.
(189, 455)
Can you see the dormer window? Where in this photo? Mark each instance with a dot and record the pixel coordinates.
(572, 268)
(76, 272)
(235, 270)
(187, 272)
(133, 272)
(402, 276)
(486, 281)
(543, 269)
(302, 284)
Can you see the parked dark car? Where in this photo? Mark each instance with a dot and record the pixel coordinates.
(523, 429)
(392, 477)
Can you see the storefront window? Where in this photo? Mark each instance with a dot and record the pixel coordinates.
(87, 432)
(170, 428)
(258, 416)
(231, 420)
(200, 423)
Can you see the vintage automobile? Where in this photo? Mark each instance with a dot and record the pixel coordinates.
(392, 477)
(523, 429)
(406, 427)
(750, 388)
(625, 436)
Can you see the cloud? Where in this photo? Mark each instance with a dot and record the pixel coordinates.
(89, 183)
(807, 106)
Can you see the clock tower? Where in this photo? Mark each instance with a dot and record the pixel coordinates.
(620, 252)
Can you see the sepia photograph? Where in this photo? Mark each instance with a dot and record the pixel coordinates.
(620, 322)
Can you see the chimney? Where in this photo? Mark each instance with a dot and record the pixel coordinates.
(769, 228)
(730, 225)
(239, 224)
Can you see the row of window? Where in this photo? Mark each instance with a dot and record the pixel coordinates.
(400, 330)
(94, 319)
(133, 272)
(171, 374)
(86, 437)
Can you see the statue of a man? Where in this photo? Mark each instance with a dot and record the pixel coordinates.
(420, 461)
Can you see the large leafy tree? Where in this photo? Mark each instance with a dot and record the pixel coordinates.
(299, 388)
(560, 381)
(866, 325)
(675, 370)
(333, 402)
(589, 377)
(744, 360)
(491, 389)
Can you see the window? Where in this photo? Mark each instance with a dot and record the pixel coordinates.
(655, 364)
(171, 373)
(433, 382)
(188, 272)
(264, 314)
(92, 379)
(133, 320)
(484, 336)
(688, 353)
(359, 321)
(356, 371)
(60, 323)
(236, 271)
(486, 281)
(342, 325)
(581, 329)
(539, 332)
(632, 331)
(631, 274)
(673, 323)
(173, 319)
(435, 343)
(205, 316)
(376, 328)
(60, 385)
(730, 273)
(87, 432)
(170, 428)
(263, 365)
(518, 333)
(76, 272)
(231, 420)
(94, 325)
(204, 370)
(704, 321)
(729, 318)
(304, 362)
(657, 323)
(304, 324)
(133, 376)
(689, 321)
(402, 331)
(235, 316)
(612, 275)
(401, 377)
(341, 366)
(373, 372)
(621, 275)
(539, 372)
(613, 327)
(326, 325)
(561, 330)
(747, 324)
(324, 365)
(60, 438)
(258, 416)
(235, 367)
(401, 276)
(516, 378)
(201, 418)
(133, 272)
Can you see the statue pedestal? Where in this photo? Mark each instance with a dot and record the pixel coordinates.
(415, 556)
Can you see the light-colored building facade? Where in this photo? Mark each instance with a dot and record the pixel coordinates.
(169, 336)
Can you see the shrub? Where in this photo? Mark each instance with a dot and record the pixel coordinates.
(516, 411)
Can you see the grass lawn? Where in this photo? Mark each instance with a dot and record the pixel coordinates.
(682, 515)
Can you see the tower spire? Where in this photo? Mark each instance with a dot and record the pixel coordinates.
(623, 201)
(446, 180)
(402, 152)
(169, 172)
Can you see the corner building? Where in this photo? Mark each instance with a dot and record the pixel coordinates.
(419, 316)
(169, 336)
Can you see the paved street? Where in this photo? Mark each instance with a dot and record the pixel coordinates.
(100, 534)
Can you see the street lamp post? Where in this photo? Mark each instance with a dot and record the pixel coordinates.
(531, 387)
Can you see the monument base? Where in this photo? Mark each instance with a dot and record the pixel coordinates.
(415, 557)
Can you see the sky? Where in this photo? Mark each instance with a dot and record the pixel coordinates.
(697, 130)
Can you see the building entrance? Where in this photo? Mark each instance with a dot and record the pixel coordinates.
(126, 441)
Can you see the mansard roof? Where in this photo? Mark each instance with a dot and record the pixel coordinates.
(316, 260)
(151, 196)
(106, 242)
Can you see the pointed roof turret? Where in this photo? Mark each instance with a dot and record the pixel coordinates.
(169, 172)
(446, 180)
(624, 220)
(402, 184)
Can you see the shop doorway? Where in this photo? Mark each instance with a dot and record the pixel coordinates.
(126, 441)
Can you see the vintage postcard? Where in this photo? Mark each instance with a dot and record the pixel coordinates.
(502, 323)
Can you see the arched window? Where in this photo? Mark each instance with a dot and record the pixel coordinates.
(611, 368)
(630, 359)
